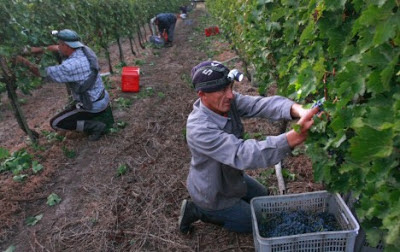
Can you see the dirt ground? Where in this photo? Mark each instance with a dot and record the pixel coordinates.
(138, 211)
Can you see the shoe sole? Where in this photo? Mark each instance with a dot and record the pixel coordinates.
(183, 207)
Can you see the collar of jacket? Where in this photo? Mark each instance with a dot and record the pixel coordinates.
(218, 119)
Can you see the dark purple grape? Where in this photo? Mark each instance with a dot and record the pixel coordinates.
(297, 222)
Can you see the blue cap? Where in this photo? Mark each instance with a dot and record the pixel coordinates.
(70, 37)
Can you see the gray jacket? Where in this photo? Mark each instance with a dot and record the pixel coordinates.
(220, 155)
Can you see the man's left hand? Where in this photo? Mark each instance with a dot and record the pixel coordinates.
(306, 121)
(297, 111)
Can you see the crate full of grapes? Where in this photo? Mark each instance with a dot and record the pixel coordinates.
(314, 221)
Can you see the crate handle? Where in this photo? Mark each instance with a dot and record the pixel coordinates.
(345, 217)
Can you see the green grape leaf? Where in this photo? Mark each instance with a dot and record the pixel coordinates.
(387, 73)
(377, 56)
(357, 123)
(4, 153)
(322, 170)
(366, 38)
(261, 2)
(370, 16)
(33, 220)
(289, 175)
(352, 83)
(306, 79)
(379, 170)
(53, 199)
(337, 123)
(308, 33)
(392, 221)
(121, 124)
(36, 167)
(122, 169)
(10, 249)
(379, 117)
(374, 236)
(380, 3)
(20, 178)
(370, 143)
(339, 139)
(346, 168)
(374, 83)
(386, 29)
(319, 68)
(333, 5)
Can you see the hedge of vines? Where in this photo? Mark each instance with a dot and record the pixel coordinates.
(28, 23)
(348, 52)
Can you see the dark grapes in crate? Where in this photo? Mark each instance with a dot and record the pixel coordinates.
(297, 222)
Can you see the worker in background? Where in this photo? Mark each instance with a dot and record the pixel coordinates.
(90, 111)
(165, 23)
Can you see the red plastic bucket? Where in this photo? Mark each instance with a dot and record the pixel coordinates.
(130, 79)
(213, 30)
(165, 36)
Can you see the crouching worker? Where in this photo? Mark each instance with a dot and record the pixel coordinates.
(165, 23)
(219, 188)
(90, 112)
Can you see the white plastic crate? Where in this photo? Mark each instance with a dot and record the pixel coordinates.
(321, 201)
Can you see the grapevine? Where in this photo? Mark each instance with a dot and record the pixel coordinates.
(29, 24)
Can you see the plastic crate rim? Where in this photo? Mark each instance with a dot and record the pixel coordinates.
(352, 232)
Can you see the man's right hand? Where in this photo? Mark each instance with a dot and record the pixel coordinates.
(37, 50)
(53, 48)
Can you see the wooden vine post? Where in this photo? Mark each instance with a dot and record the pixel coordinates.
(121, 51)
(12, 95)
(279, 177)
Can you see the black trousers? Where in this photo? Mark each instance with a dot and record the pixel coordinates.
(73, 119)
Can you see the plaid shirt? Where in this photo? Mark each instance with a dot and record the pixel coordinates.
(75, 69)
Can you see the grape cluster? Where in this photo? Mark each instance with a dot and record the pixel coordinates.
(297, 222)
(319, 104)
(337, 155)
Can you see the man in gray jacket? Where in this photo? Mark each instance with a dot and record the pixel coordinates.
(219, 188)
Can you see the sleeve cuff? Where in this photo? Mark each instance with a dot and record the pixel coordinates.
(281, 144)
(287, 108)
(42, 72)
